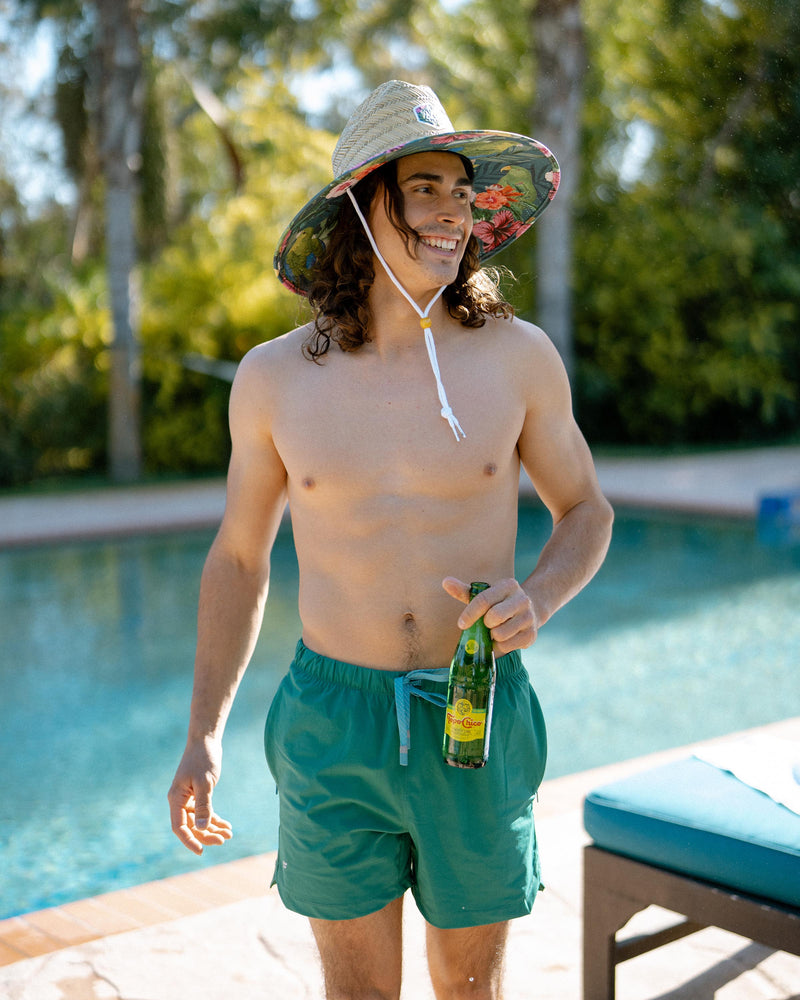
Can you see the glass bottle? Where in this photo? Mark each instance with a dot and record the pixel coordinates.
(470, 694)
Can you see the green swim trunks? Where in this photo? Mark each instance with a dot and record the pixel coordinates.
(358, 827)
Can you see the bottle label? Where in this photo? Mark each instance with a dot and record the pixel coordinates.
(470, 646)
(465, 723)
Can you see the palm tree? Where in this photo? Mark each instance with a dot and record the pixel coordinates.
(121, 107)
(558, 38)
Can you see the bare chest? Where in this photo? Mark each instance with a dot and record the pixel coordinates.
(351, 429)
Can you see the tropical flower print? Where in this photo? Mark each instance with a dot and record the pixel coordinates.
(496, 196)
(303, 253)
(498, 230)
(554, 178)
(354, 179)
(448, 140)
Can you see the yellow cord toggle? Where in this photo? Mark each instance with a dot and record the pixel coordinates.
(425, 322)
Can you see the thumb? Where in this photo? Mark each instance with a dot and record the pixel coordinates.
(456, 588)
(202, 809)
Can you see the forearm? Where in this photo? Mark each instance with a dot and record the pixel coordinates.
(573, 554)
(231, 607)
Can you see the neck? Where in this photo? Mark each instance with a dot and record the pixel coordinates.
(426, 320)
(393, 318)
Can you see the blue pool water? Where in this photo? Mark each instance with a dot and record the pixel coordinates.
(690, 630)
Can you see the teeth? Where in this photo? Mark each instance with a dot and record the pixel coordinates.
(440, 242)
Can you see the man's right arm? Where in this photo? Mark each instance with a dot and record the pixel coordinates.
(233, 591)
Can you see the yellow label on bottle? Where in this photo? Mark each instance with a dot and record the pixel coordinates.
(464, 723)
(470, 646)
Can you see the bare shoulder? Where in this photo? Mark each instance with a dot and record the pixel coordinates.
(527, 336)
(273, 357)
(262, 377)
(266, 367)
(530, 351)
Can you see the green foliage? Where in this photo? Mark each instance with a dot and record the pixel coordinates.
(687, 276)
(153, 220)
(213, 291)
(210, 291)
(686, 272)
(53, 382)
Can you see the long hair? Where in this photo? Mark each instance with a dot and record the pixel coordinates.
(342, 277)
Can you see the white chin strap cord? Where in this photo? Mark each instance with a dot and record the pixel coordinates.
(424, 321)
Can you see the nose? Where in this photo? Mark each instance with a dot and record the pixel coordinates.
(453, 209)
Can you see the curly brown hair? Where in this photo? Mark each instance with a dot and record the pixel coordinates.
(342, 277)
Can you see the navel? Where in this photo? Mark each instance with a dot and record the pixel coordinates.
(489, 469)
(411, 640)
(309, 482)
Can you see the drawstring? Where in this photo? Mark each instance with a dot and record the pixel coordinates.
(424, 321)
(406, 685)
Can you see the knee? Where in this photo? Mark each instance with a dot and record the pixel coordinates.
(333, 992)
(358, 984)
(466, 987)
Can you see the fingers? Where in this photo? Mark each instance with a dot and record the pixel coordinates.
(506, 609)
(193, 836)
(193, 819)
(456, 588)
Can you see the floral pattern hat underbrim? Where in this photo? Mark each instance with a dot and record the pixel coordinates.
(516, 178)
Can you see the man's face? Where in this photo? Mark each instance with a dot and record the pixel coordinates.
(437, 200)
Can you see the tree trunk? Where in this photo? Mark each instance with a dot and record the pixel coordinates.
(121, 103)
(558, 41)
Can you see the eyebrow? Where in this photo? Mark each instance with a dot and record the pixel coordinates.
(422, 175)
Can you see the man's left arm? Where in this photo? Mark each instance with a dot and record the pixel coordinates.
(556, 457)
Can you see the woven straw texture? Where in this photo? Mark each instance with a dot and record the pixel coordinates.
(392, 115)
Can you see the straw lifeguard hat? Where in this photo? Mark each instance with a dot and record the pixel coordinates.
(515, 179)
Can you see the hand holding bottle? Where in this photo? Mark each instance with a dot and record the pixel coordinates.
(506, 609)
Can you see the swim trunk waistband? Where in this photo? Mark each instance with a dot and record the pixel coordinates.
(427, 683)
(377, 681)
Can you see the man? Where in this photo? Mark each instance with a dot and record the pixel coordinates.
(394, 511)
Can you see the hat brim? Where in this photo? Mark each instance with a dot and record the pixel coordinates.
(516, 178)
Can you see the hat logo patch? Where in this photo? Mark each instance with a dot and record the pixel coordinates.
(425, 114)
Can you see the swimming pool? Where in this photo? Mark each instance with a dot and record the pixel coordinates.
(690, 630)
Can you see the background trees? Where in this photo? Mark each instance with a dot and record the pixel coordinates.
(688, 269)
(674, 270)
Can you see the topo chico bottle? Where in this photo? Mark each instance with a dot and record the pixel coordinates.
(470, 693)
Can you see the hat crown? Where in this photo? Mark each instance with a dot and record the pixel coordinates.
(393, 115)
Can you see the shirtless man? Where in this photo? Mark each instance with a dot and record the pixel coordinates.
(394, 511)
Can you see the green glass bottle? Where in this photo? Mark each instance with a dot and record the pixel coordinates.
(470, 694)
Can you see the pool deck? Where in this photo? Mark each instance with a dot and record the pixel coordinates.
(729, 483)
(220, 933)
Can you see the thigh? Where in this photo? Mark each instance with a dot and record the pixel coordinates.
(467, 961)
(362, 957)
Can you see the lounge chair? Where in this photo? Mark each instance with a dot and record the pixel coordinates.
(694, 840)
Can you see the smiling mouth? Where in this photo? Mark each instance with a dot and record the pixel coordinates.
(439, 243)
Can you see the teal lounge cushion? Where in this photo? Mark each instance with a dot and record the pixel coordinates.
(693, 818)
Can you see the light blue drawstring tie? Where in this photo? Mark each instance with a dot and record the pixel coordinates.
(404, 687)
